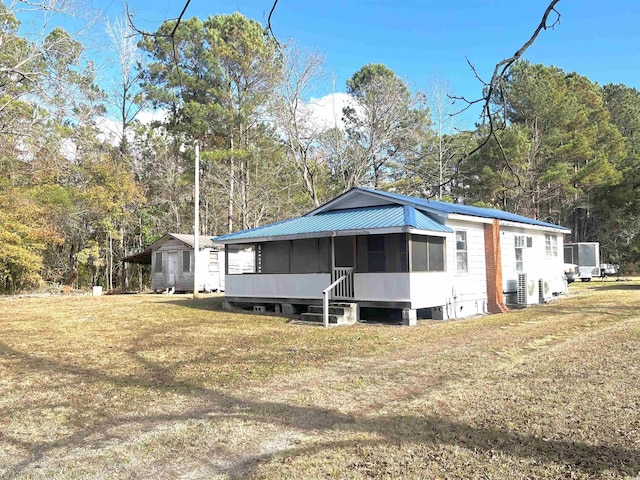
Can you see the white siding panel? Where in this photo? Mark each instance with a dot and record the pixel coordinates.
(386, 287)
(277, 285)
(535, 261)
(431, 289)
(472, 285)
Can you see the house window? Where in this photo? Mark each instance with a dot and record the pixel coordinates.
(427, 254)
(158, 266)
(462, 263)
(550, 245)
(519, 246)
(186, 261)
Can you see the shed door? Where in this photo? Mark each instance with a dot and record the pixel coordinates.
(172, 266)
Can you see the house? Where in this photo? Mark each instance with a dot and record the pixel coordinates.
(172, 261)
(419, 257)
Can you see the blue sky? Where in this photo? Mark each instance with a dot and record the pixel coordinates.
(420, 40)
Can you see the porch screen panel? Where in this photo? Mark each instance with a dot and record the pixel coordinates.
(275, 257)
(361, 254)
(419, 258)
(376, 255)
(396, 249)
(304, 256)
(427, 254)
(344, 251)
(436, 254)
(324, 255)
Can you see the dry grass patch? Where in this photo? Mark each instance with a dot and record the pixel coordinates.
(167, 387)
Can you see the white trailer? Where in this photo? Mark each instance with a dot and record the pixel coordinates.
(587, 256)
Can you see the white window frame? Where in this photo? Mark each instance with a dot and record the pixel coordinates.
(550, 245)
(462, 253)
(519, 243)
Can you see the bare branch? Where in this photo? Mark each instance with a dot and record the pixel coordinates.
(495, 85)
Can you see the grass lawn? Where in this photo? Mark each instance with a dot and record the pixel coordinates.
(164, 387)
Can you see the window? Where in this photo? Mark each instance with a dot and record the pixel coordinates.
(519, 245)
(242, 258)
(304, 256)
(158, 266)
(427, 254)
(519, 262)
(462, 263)
(214, 266)
(376, 258)
(186, 261)
(550, 245)
(275, 257)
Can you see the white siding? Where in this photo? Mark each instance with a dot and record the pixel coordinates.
(183, 280)
(469, 288)
(535, 261)
(277, 285)
(384, 287)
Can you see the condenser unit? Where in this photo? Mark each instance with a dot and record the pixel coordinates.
(544, 290)
(527, 290)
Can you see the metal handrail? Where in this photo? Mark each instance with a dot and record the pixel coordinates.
(325, 298)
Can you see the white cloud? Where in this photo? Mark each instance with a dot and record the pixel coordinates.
(326, 112)
(145, 117)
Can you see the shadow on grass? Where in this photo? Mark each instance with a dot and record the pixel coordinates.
(618, 286)
(210, 302)
(214, 405)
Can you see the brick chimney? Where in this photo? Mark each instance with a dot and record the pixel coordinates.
(493, 260)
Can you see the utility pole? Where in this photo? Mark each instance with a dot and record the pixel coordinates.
(196, 221)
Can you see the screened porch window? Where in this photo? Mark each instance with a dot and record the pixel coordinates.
(382, 253)
(427, 253)
(376, 257)
(241, 258)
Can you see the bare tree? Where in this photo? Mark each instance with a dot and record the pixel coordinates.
(126, 96)
(293, 115)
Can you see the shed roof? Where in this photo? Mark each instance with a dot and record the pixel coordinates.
(144, 257)
(363, 218)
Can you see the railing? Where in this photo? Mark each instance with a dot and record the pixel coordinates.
(344, 288)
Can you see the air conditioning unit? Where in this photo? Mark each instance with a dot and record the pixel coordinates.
(544, 290)
(527, 290)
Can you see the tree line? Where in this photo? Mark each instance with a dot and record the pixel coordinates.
(73, 202)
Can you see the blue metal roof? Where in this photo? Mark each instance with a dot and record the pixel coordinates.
(363, 218)
(455, 208)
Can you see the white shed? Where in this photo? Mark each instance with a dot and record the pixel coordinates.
(172, 259)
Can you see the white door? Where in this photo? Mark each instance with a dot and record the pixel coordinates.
(172, 265)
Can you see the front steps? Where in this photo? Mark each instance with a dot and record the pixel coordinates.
(339, 314)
